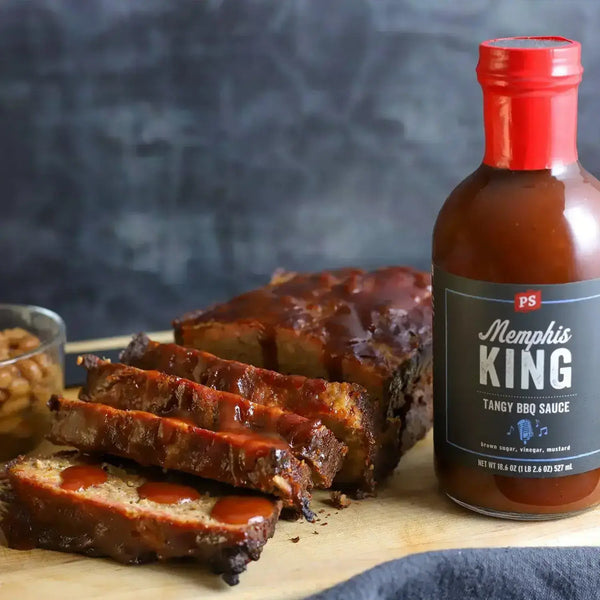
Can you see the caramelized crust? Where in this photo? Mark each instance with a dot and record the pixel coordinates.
(241, 459)
(128, 388)
(343, 407)
(370, 328)
(112, 520)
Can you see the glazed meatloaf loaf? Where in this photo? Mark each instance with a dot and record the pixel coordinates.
(370, 328)
(343, 407)
(73, 503)
(243, 460)
(128, 388)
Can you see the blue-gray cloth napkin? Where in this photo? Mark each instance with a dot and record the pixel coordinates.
(479, 574)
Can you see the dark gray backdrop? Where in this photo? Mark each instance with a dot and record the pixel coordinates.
(159, 155)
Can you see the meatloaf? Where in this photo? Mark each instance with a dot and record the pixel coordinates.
(370, 328)
(343, 407)
(115, 518)
(128, 388)
(244, 460)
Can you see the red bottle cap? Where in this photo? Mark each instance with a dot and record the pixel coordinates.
(530, 101)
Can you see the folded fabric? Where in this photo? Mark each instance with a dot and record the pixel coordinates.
(479, 574)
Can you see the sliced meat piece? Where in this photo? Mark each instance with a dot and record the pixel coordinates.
(116, 516)
(246, 460)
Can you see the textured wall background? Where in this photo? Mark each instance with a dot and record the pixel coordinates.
(156, 156)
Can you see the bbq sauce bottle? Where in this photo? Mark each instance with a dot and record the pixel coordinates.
(516, 284)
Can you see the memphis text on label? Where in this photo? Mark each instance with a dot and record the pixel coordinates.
(514, 359)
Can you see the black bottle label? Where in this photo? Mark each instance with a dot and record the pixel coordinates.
(517, 375)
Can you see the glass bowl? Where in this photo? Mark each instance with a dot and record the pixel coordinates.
(32, 341)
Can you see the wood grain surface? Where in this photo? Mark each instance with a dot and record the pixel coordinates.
(408, 516)
(111, 343)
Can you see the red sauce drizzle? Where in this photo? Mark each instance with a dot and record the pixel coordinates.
(255, 442)
(81, 477)
(240, 510)
(167, 493)
(255, 426)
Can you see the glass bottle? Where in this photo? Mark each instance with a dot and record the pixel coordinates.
(516, 284)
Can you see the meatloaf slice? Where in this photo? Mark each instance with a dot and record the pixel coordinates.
(370, 328)
(113, 519)
(245, 460)
(128, 388)
(343, 407)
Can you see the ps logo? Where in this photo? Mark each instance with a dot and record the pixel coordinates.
(528, 301)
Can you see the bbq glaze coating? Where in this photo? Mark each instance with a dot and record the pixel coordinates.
(128, 388)
(370, 328)
(241, 459)
(102, 523)
(240, 510)
(81, 477)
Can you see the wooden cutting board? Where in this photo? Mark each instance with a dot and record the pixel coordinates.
(408, 516)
